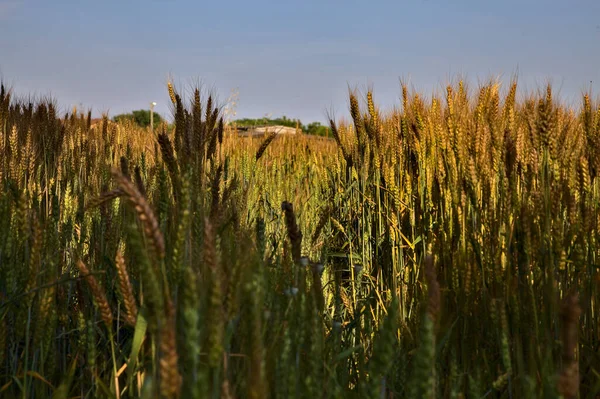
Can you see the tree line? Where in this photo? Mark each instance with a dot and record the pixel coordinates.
(142, 118)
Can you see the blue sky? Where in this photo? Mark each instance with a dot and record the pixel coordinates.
(290, 58)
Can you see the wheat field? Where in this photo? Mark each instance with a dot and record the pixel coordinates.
(444, 249)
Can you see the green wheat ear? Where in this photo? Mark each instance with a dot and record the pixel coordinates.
(177, 262)
(384, 352)
(423, 381)
(215, 316)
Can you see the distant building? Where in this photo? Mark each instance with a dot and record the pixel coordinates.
(259, 131)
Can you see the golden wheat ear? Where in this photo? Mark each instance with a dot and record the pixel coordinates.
(143, 211)
(98, 293)
(126, 290)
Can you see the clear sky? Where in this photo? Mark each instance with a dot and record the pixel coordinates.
(293, 58)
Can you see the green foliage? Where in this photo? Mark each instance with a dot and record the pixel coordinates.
(317, 129)
(141, 117)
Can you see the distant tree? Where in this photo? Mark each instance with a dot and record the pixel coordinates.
(317, 129)
(141, 117)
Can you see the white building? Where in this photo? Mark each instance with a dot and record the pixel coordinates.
(265, 130)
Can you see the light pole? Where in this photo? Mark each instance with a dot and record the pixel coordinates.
(152, 104)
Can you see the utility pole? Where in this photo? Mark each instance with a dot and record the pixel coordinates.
(152, 104)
